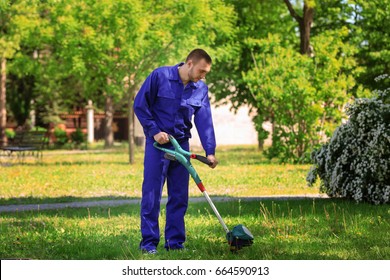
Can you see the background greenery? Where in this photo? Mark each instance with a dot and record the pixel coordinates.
(57, 55)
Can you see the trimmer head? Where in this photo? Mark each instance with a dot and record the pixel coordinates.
(239, 237)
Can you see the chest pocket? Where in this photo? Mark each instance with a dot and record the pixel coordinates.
(165, 91)
(195, 103)
(192, 106)
(166, 104)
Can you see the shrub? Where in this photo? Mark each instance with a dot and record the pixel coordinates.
(10, 133)
(355, 163)
(77, 137)
(61, 137)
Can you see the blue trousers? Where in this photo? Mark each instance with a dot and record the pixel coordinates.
(157, 170)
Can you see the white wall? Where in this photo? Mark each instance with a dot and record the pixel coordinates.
(230, 128)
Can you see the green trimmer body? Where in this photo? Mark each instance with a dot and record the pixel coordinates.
(237, 238)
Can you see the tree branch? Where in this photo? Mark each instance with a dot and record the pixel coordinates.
(293, 13)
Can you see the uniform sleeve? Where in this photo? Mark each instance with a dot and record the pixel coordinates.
(143, 102)
(204, 124)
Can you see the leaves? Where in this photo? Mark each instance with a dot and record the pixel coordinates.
(303, 102)
(78, 50)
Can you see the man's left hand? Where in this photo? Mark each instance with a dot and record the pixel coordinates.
(213, 160)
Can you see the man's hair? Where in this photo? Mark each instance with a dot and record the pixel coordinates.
(197, 54)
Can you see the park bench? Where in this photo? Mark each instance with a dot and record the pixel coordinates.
(25, 144)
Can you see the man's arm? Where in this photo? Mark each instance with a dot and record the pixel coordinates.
(143, 102)
(204, 124)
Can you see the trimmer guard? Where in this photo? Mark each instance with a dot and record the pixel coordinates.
(239, 237)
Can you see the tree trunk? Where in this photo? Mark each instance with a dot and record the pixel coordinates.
(131, 129)
(108, 121)
(260, 145)
(304, 24)
(307, 22)
(3, 109)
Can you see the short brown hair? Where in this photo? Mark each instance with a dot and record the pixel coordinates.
(198, 54)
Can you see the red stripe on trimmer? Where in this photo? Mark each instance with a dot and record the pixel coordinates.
(193, 156)
(201, 187)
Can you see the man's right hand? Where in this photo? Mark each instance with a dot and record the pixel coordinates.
(161, 138)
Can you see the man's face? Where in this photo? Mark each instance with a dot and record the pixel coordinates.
(197, 71)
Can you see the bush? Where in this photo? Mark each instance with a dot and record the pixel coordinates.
(61, 137)
(10, 133)
(77, 137)
(355, 164)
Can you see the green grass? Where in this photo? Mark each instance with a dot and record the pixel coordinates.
(299, 229)
(293, 229)
(91, 175)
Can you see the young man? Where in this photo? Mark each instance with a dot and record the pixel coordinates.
(165, 105)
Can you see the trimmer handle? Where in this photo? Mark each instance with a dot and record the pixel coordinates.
(203, 159)
(173, 154)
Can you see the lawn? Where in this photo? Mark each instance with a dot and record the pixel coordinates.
(283, 229)
(90, 175)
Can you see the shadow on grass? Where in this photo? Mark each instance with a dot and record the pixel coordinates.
(64, 163)
(61, 199)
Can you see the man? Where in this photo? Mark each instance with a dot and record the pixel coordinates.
(165, 105)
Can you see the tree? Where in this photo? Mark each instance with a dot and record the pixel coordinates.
(305, 102)
(17, 21)
(255, 19)
(111, 46)
(372, 32)
(9, 42)
(176, 28)
(29, 68)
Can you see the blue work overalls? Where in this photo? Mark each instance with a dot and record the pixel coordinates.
(164, 104)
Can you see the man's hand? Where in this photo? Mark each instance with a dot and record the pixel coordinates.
(161, 138)
(212, 159)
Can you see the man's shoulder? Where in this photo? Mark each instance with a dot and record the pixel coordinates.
(165, 71)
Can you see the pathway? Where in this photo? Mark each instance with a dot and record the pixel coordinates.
(113, 203)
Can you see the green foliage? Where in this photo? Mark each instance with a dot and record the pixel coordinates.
(355, 164)
(372, 20)
(305, 102)
(10, 134)
(77, 137)
(62, 53)
(67, 52)
(61, 138)
(254, 20)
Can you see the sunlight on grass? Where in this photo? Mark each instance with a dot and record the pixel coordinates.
(79, 175)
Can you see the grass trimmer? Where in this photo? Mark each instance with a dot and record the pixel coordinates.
(240, 236)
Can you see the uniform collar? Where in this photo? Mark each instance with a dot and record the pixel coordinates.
(174, 75)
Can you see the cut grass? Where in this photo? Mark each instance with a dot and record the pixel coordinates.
(294, 229)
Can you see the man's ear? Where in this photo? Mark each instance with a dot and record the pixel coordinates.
(190, 63)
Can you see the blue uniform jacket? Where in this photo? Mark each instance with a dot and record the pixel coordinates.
(163, 104)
